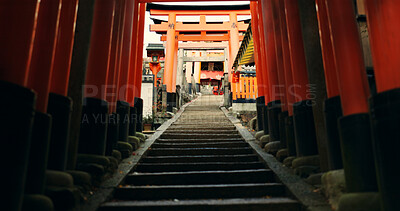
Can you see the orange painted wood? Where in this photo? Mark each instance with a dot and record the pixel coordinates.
(279, 54)
(245, 88)
(170, 50)
(352, 77)
(122, 77)
(139, 56)
(100, 47)
(287, 66)
(64, 46)
(383, 17)
(202, 37)
(269, 34)
(198, 12)
(125, 92)
(113, 73)
(44, 46)
(254, 29)
(296, 48)
(332, 85)
(211, 27)
(18, 19)
(263, 53)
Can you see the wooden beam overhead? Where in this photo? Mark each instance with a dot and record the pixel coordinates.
(199, 12)
(180, 27)
(183, 37)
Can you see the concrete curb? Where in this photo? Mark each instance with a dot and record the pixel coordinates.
(106, 189)
(302, 191)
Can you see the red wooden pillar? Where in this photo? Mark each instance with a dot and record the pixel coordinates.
(257, 54)
(262, 51)
(100, 47)
(139, 54)
(332, 106)
(296, 48)
(384, 33)
(125, 93)
(41, 65)
(18, 19)
(65, 42)
(287, 66)
(382, 17)
(95, 116)
(279, 54)
(274, 103)
(113, 73)
(259, 65)
(354, 126)
(269, 36)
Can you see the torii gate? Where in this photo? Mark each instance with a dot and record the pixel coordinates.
(179, 31)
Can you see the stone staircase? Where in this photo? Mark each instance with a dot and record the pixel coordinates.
(201, 163)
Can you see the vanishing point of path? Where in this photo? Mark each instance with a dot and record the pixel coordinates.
(201, 162)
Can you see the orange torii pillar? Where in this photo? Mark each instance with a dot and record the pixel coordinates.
(382, 17)
(95, 107)
(170, 60)
(281, 74)
(303, 121)
(113, 78)
(124, 61)
(139, 68)
(39, 78)
(354, 126)
(332, 106)
(233, 41)
(262, 56)
(59, 105)
(260, 100)
(287, 66)
(17, 107)
(274, 101)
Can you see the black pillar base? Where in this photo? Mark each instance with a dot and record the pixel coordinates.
(358, 159)
(304, 129)
(265, 120)
(38, 156)
(132, 121)
(385, 122)
(274, 108)
(260, 103)
(16, 112)
(171, 101)
(139, 112)
(282, 128)
(60, 108)
(93, 135)
(112, 133)
(123, 111)
(333, 111)
(290, 138)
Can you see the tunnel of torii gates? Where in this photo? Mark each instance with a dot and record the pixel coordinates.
(75, 67)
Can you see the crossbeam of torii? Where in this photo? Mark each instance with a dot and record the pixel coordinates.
(175, 31)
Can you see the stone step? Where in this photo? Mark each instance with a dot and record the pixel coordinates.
(200, 127)
(265, 204)
(161, 144)
(202, 131)
(167, 135)
(209, 166)
(219, 191)
(200, 158)
(201, 177)
(199, 151)
(219, 140)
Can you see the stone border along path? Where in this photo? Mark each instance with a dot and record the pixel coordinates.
(199, 160)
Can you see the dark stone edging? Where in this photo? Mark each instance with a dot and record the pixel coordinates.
(106, 189)
(302, 191)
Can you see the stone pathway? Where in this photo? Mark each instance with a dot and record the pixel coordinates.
(201, 163)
